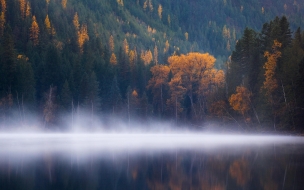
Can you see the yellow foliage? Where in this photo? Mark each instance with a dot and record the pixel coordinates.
(240, 101)
(160, 11)
(146, 56)
(120, 2)
(2, 23)
(64, 3)
(113, 59)
(145, 5)
(47, 24)
(76, 22)
(150, 6)
(28, 9)
(22, 8)
(132, 57)
(3, 5)
(82, 36)
(270, 84)
(126, 46)
(34, 31)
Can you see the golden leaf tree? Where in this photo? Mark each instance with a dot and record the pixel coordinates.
(146, 56)
(270, 84)
(126, 46)
(2, 23)
(82, 32)
(160, 11)
(177, 94)
(76, 22)
(34, 31)
(240, 101)
(28, 9)
(197, 74)
(120, 2)
(64, 3)
(22, 8)
(47, 24)
(158, 82)
(113, 59)
(2, 16)
(83, 36)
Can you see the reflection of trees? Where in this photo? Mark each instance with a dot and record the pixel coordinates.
(176, 171)
(240, 171)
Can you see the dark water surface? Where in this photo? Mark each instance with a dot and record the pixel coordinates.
(151, 161)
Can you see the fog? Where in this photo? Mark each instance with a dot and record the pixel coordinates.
(88, 136)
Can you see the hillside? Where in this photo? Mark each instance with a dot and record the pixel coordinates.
(100, 55)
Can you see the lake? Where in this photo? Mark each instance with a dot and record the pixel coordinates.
(150, 161)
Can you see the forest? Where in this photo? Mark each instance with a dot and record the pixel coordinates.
(179, 61)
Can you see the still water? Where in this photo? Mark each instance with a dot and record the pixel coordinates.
(150, 161)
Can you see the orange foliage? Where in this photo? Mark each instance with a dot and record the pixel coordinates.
(64, 3)
(159, 80)
(34, 31)
(146, 56)
(241, 100)
(82, 36)
(160, 10)
(76, 21)
(113, 59)
(132, 57)
(270, 84)
(2, 23)
(125, 46)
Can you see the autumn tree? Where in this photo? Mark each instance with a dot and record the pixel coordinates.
(158, 84)
(2, 23)
(34, 32)
(240, 101)
(76, 22)
(197, 75)
(271, 84)
(48, 26)
(160, 11)
(2, 17)
(64, 3)
(120, 2)
(113, 59)
(126, 46)
(177, 95)
(83, 36)
(146, 57)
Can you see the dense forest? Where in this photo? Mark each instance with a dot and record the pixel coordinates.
(183, 61)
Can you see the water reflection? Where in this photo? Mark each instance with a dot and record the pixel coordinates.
(269, 166)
